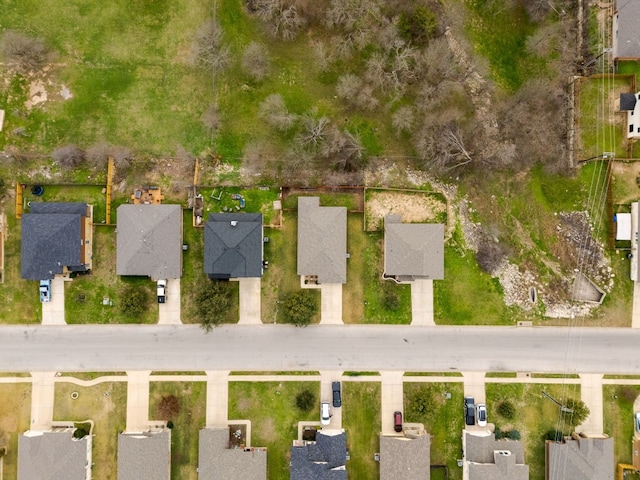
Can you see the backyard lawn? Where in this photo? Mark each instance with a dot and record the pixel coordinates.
(271, 407)
(15, 418)
(618, 419)
(106, 405)
(190, 418)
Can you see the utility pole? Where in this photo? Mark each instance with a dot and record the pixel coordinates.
(562, 407)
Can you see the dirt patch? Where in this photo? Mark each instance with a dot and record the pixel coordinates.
(245, 404)
(413, 207)
(267, 429)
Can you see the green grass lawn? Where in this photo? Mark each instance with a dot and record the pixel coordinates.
(15, 418)
(353, 290)
(361, 420)
(443, 421)
(106, 405)
(274, 417)
(618, 418)
(187, 424)
(535, 416)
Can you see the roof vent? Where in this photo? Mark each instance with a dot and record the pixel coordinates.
(234, 223)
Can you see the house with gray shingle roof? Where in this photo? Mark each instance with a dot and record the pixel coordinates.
(233, 244)
(149, 241)
(626, 18)
(322, 241)
(54, 455)
(486, 458)
(629, 102)
(216, 460)
(405, 457)
(323, 459)
(580, 458)
(56, 239)
(413, 250)
(144, 455)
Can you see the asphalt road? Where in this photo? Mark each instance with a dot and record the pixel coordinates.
(345, 347)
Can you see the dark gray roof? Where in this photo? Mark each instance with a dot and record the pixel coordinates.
(233, 245)
(492, 459)
(405, 458)
(581, 459)
(626, 42)
(413, 249)
(53, 456)
(216, 460)
(144, 456)
(324, 460)
(149, 241)
(627, 101)
(52, 238)
(322, 241)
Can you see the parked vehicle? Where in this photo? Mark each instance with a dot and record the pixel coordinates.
(162, 291)
(482, 415)
(397, 421)
(45, 291)
(337, 400)
(469, 411)
(636, 421)
(325, 413)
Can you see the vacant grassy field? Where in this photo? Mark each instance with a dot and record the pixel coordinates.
(106, 405)
(361, 420)
(444, 421)
(15, 418)
(618, 419)
(186, 425)
(271, 407)
(535, 416)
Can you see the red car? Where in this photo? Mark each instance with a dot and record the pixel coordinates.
(397, 421)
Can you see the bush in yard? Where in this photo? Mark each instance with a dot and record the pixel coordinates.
(133, 301)
(580, 411)
(498, 433)
(69, 156)
(300, 307)
(23, 52)
(507, 410)
(420, 404)
(212, 302)
(554, 435)
(168, 408)
(390, 297)
(513, 434)
(80, 433)
(305, 400)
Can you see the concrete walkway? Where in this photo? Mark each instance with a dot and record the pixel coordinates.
(392, 399)
(42, 398)
(474, 386)
(169, 312)
(422, 302)
(331, 304)
(327, 377)
(217, 413)
(53, 311)
(591, 395)
(137, 401)
(250, 301)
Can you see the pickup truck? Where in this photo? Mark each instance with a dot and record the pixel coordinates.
(162, 291)
(45, 291)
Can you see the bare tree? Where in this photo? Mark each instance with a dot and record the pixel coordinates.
(98, 154)
(436, 62)
(122, 156)
(342, 149)
(69, 156)
(280, 17)
(355, 92)
(403, 119)
(211, 117)
(314, 131)
(274, 111)
(23, 52)
(442, 147)
(256, 61)
(208, 49)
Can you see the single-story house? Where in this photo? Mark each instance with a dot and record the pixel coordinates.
(413, 250)
(323, 459)
(54, 455)
(626, 18)
(406, 457)
(233, 245)
(216, 460)
(629, 103)
(56, 239)
(486, 458)
(322, 241)
(149, 241)
(144, 455)
(580, 458)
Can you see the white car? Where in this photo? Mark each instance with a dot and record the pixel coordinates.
(325, 413)
(482, 415)
(162, 291)
(636, 421)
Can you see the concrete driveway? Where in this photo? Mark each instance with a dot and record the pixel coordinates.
(422, 302)
(137, 401)
(327, 377)
(392, 399)
(217, 411)
(42, 395)
(53, 311)
(169, 312)
(591, 395)
(474, 386)
(331, 304)
(250, 307)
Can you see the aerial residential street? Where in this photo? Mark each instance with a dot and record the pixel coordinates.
(346, 347)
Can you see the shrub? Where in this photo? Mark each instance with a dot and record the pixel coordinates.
(300, 308)
(80, 433)
(507, 410)
(69, 156)
(390, 297)
(305, 400)
(168, 408)
(420, 404)
(553, 435)
(133, 301)
(498, 433)
(23, 52)
(419, 26)
(513, 434)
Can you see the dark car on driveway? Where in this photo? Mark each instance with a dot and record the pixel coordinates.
(469, 411)
(337, 400)
(397, 421)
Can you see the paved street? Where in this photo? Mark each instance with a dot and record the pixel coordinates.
(345, 347)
